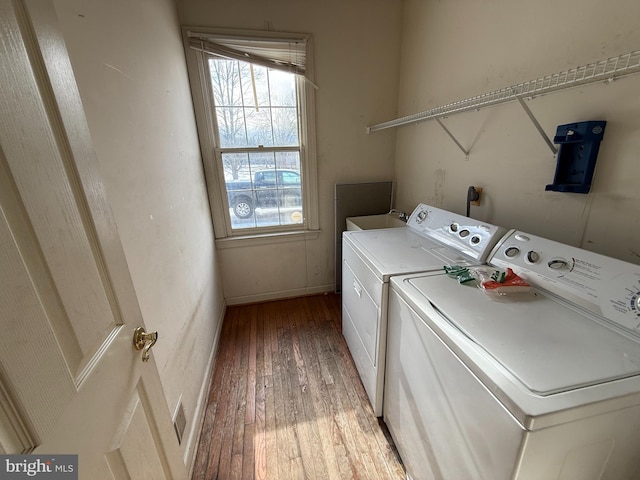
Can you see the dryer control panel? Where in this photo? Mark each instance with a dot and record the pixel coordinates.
(605, 286)
(467, 235)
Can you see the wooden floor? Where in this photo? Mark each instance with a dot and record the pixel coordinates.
(286, 401)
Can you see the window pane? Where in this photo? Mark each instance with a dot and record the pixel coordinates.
(259, 127)
(282, 89)
(288, 160)
(225, 82)
(259, 81)
(285, 126)
(284, 108)
(232, 129)
(266, 190)
(236, 166)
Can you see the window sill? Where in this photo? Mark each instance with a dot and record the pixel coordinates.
(266, 239)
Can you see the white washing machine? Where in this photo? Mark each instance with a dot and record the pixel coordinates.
(432, 238)
(540, 385)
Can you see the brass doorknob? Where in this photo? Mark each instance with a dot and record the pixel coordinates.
(144, 341)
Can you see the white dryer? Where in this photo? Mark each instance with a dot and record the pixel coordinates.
(432, 239)
(543, 385)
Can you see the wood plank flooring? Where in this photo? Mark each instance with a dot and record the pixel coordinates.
(286, 401)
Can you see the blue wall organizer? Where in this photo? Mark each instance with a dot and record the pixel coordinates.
(577, 154)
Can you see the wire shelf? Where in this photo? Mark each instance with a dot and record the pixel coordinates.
(604, 70)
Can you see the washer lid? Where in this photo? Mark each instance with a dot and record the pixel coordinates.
(394, 251)
(546, 345)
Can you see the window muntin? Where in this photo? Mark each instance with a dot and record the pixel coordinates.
(257, 117)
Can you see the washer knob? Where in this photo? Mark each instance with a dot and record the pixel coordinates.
(557, 264)
(453, 227)
(475, 240)
(422, 215)
(533, 256)
(512, 252)
(464, 233)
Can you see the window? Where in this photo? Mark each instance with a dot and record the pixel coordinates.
(256, 111)
(256, 120)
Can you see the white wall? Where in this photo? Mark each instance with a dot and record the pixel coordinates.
(130, 69)
(356, 45)
(457, 49)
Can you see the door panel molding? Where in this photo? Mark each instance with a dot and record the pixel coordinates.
(138, 432)
(84, 373)
(40, 158)
(14, 435)
(39, 376)
(111, 258)
(17, 223)
(74, 186)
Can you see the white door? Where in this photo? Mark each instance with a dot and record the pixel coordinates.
(71, 381)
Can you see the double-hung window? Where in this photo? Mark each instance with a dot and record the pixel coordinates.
(254, 106)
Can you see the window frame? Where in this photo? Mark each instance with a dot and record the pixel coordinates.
(202, 95)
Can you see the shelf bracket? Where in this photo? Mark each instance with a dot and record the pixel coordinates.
(535, 122)
(466, 152)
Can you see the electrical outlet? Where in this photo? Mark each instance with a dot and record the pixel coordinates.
(477, 202)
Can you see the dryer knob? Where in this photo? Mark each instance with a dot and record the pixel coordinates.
(512, 252)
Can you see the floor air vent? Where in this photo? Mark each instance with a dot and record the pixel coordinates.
(179, 421)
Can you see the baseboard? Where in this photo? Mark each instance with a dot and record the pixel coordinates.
(264, 297)
(198, 418)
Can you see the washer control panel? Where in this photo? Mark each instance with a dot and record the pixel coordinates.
(466, 235)
(605, 286)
